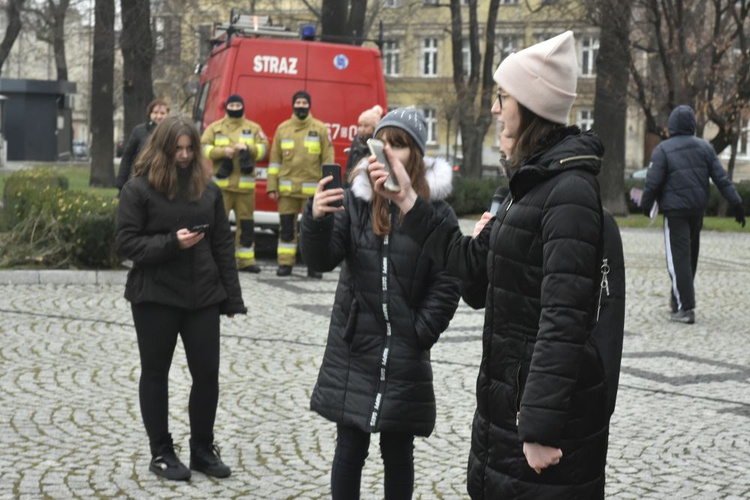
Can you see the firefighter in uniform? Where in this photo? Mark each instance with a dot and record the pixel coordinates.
(301, 146)
(234, 144)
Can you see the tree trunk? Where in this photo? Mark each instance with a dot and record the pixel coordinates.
(333, 18)
(13, 12)
(58, 15)
(137, 58)
(102, 95)
(610, 108)
(356, 25)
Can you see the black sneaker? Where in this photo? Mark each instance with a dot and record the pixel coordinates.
(314, 275)
(255, 269)
(687, 317)
(167, 465)
(284, 271)
(206, 459)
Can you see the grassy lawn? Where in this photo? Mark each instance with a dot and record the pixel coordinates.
(77, 174)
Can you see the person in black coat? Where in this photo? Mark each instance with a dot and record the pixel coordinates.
(541, 425)
(391, 305)
(359, 151)
(156, 111)
(172, 224)
(678, 177)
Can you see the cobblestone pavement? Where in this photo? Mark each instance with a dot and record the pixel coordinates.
(70, 425)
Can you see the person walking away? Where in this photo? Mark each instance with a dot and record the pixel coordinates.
(234, 144)
(677, 179)
(301, 146)
(391, 305)
(541, 425)
(156, 111)
(171, 223)
(359, 151)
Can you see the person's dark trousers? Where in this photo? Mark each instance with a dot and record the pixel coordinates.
(352, 444)
(682, 240)
(157, 327)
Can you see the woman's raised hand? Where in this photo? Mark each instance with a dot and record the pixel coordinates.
(321, 204)
(404, 197)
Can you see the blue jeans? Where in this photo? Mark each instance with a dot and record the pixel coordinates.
(352, 445)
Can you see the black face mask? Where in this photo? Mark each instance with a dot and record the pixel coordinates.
(235, 113)
(301, 113)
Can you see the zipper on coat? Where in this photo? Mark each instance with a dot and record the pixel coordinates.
(387, 344)
(518, 392)
(580, 157)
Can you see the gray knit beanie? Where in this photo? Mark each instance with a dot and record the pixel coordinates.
(410, 120)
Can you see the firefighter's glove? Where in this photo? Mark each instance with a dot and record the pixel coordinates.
(739, 214)
(225, 169)
(247, 164)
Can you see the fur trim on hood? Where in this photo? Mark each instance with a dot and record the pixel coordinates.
(438, 172)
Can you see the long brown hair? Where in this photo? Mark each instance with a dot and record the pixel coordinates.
(157, 159)
(381, 211)
(534, 129)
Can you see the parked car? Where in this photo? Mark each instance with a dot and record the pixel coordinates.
(80, 149)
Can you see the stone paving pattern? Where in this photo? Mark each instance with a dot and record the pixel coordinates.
(70, 424)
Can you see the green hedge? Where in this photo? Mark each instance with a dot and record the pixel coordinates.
(52, 227)
(473, 196)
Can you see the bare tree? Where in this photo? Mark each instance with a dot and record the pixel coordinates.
(102, 95)
(48, 20)
(341, 23)
(479, 85)
(137, 48)
(13, 13)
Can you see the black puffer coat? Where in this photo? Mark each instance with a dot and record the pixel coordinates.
(378, 276)
(136, 141)
(200, 276)
(540, 379)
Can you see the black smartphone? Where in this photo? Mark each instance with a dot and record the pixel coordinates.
(199, 228)
(333, 169)
(377, 148)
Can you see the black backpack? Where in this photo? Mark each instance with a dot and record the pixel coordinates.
(609, 328)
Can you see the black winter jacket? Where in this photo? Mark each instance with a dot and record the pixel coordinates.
(540, 379)
(200, 276)
(380, 274)
(357, 151)
(680, 169)
(136, 141)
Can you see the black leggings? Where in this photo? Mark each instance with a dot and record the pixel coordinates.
(157, 327)
(352, 444)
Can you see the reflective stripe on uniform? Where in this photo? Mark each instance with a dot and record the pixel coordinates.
(287, 249)
(285, 186)
(260, 151)
(222, 183)
(221, 140)
(309, 188)
(247, 182)
(207, 150)
(245, 253)
(273, 168)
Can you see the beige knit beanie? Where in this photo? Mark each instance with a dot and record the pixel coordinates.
(543, 77)
(371, 116)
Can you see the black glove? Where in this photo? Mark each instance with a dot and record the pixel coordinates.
(247, 165)
(646, 211)
(225, 169)
(739, 214)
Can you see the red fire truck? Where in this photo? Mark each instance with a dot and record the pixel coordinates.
(266, 65)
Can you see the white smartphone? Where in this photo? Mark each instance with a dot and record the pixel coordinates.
(377, 148)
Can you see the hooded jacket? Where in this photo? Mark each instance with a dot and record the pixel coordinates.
(540, 379)
(680, 169)
(392, 303)
(193, 278)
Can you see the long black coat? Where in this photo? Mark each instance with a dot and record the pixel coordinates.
(540, 379)
(200, 276)
(392, 303)
(136, 141)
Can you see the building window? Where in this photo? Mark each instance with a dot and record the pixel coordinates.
(585, 119)
(466, 57)
(391, 3)
(167, 34)
(391, 58)
(428, 66)
(506, 45)
(744, 143)
(431, 120)
(508, 2)
(589, 51)
(431, 2)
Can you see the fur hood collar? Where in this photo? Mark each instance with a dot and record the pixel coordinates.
(439, 177)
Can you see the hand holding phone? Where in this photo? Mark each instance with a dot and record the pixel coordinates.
(199, 228)
(333, 169)
(377, 148)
